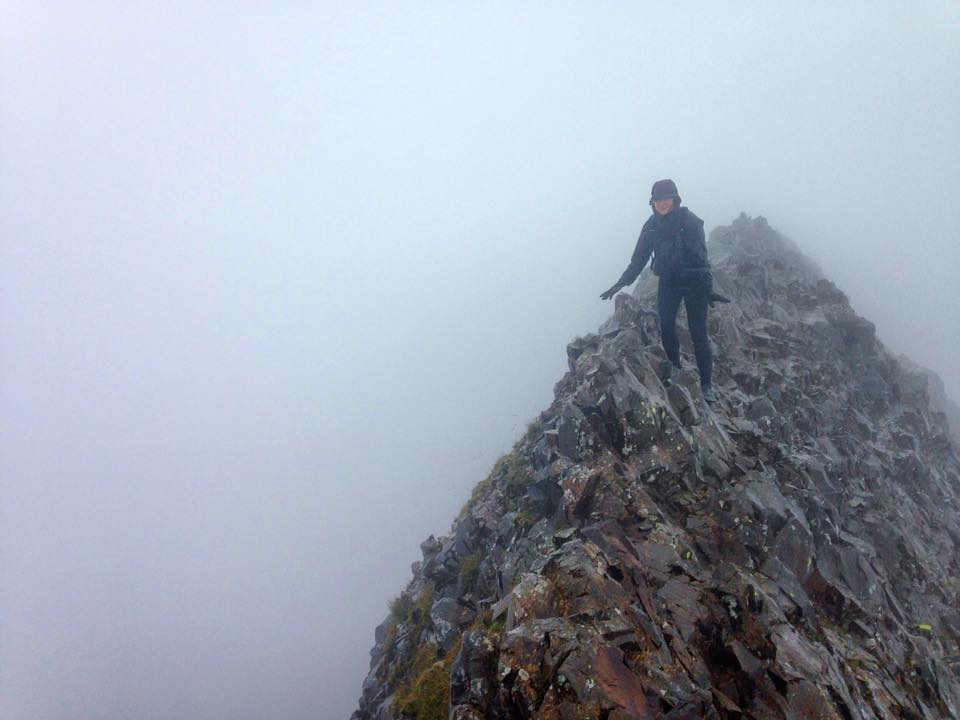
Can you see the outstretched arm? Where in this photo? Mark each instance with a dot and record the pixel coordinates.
(641, 254)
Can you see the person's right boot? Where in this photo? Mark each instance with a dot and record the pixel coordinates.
(667, 368)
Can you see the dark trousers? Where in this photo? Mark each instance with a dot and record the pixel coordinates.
(695, 297)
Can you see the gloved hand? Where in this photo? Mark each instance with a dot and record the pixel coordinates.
(611, 292)
(712, 295)
(716, 297)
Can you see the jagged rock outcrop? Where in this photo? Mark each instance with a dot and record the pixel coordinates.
(790, 553)
(937, 392)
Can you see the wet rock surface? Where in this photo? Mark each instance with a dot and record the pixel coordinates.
(791, 552)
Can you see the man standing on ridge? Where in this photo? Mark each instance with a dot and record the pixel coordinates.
(675, 238)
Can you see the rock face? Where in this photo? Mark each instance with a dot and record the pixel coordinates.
(791, 552)
(939, 400)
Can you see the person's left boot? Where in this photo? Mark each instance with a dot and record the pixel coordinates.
(666, 370)
(708, 394)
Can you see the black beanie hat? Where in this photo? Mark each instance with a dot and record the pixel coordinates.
(663, 189)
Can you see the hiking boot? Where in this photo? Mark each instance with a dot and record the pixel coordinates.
(666, 370)
(708, 394)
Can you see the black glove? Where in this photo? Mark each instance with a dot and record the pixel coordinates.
(716, 297)
(712, 295)
(611, 292)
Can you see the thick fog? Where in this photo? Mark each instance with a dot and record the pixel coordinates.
(281, 281)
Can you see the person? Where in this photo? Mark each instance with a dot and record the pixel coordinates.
(674, 236)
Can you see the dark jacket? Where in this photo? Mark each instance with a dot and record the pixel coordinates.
(678, 246)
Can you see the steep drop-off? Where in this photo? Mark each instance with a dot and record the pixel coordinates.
(791, 552)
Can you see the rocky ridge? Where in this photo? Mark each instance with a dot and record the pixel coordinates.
(790, 553)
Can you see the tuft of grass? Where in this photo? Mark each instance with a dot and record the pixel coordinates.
(524, 521)
(470, 571)
(517, 477)
(400, 607)
(422, 696)
(429, 699)
(510, 469)
(533, 430)
(486, 621)
(479, 490)
(427, 696)
(415, 615)
(391, 635)
(421, 609)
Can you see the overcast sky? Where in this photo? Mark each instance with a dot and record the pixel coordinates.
(280, 281)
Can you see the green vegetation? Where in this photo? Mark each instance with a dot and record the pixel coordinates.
(391, 635)
(400, 607)
(424, 603)
(430, 697)
(479, 491)
(415, 616)
(533, 430)
(486, 621)
(422, 682)
(427, 696)
(524, 521)
(470, 571)
(517, 478)
(511, 470)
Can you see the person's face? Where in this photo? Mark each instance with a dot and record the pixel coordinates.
(663, 206)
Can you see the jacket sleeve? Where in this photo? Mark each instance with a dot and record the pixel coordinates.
(698, 241)
(641, 254)
(701, 240)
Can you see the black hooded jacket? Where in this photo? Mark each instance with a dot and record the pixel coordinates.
(676, 241)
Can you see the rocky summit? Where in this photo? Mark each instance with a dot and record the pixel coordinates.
(789, 552)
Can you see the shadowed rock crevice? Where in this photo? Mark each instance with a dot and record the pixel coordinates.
(790, 552)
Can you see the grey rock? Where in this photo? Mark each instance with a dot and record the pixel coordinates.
(791, 552)
(448, 617)
(761, 408)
